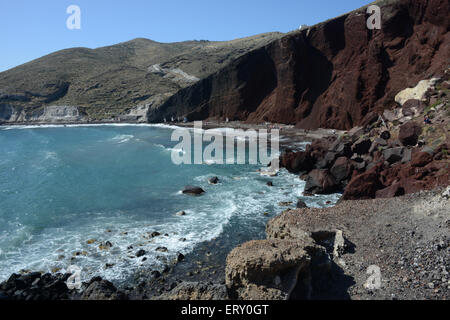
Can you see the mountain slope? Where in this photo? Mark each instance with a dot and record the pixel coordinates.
(105, 82)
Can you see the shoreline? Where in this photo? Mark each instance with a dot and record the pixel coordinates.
(206, 262)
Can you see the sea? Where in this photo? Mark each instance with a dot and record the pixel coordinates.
(92, 196)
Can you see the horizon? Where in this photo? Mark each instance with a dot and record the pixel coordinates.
(34, 30)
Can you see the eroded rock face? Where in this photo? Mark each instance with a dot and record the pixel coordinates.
(313, 78)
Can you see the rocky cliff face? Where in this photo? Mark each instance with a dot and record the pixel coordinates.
(329, 75)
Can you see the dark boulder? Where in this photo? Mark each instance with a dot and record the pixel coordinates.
(385, 135)
(412, 106)
(102, 290)
(342, 169)
(190, 190)
(301, 204)
(365, 185)
(362, 146)
(395, 190)
(296, 162)
(409, 133)
(393, 155)
(141, 253)
(213, 180)
(421, 159)
(320, 182)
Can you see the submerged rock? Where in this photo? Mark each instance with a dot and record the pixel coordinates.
(190, 190)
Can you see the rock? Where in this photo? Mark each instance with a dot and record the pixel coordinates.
(270, 183)
(105, 246)
(213, 180)
(181, 213)
(269, 269)
(296, 162)
(370, 119)
(141, 253)
(421, 159)
(377, 144)
(342, 169)
(339, 244)
(395, 190)
(285, 204)
(301, 204)
(413, 107)
(356, 132)
(196, 291)
(407, 155)
(393, 155)
(102, 290)
(180, 257)
(385, 135)
(362, 146)
(409, 133)
(161, 249)
(321, 182)
(446, 193)
(155, 234)
(190, 190)
(327, 161)
(364, 186)
(416, 93)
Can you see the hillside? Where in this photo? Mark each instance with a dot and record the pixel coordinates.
(106, 82)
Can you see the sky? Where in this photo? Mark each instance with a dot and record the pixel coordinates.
(30, 29)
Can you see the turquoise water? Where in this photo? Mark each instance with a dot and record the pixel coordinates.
(63, 186)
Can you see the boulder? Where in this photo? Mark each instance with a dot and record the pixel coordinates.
(181, 213)
(377, 143)
(365, 185)
(269, 269)
(409, 133)
(385, 135)
(141, 253)
(393, 155)
(342, 169)
(395, 190)
(102, 290)
(301, 204)
(190, 190)
(413, 107)
(421, 159)
(362, 146)
(321, 182)
(213, 180)
(296, 162)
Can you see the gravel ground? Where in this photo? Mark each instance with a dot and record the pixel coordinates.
(408, 238)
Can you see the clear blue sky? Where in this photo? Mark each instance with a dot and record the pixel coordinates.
(30, 29)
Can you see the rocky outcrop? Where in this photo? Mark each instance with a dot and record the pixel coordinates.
(330, 75)
(49, 114)
(269, 269)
